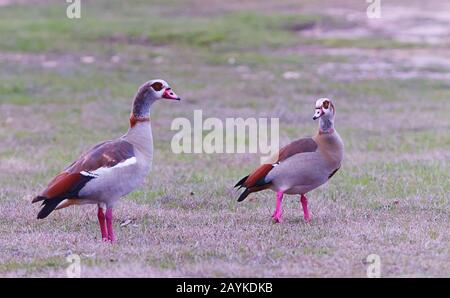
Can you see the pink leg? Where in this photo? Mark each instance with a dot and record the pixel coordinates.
(101, 221)
(277, 214)
(304, 202)
(109, 225)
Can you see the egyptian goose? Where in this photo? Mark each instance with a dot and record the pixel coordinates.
(111, 169)
(301, 166)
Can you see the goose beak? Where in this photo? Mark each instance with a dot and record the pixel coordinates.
(169, 94)
(319, 112)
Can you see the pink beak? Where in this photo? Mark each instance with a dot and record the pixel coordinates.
(169, 94)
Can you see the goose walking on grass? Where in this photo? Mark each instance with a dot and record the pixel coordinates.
(111, 169)
(301, 166)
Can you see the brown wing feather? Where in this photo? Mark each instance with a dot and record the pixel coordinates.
(258, 174)
(60, 184)
(255, 181)
(298, 146)
(106, 154)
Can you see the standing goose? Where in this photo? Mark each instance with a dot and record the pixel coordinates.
(111, 169)
(301, 166)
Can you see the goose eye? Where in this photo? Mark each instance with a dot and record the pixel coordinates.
(326, 104)
(157, 86)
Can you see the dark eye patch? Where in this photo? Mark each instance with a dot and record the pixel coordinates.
(157, 86)
(326, 104)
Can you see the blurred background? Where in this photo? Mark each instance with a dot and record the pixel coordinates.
(66, 84)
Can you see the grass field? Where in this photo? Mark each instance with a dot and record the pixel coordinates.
(68, 84)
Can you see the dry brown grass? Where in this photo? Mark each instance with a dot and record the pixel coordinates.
(391, 197)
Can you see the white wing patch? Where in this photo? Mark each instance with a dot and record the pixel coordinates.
(88, 174)
(104, 170)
